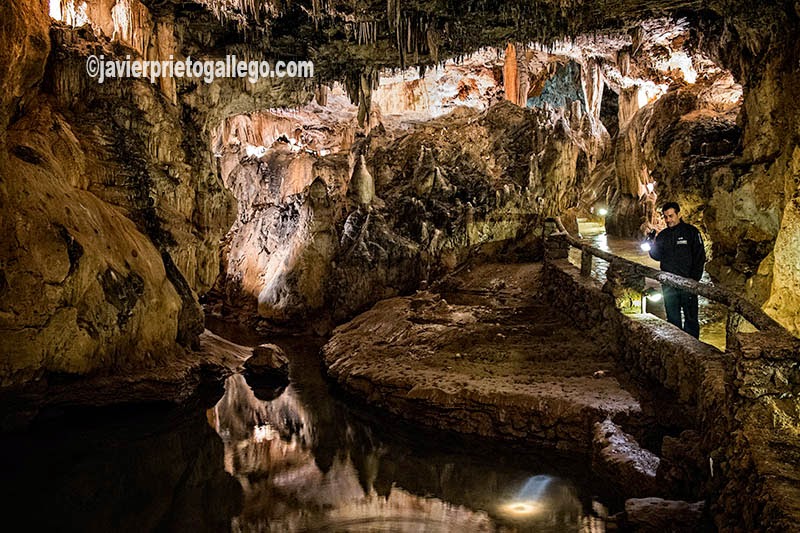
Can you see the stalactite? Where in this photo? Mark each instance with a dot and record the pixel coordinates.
(247, 13)
(315, 11)
(510, 80)
(408, 35)
(364, 31)
(365, 98)
(433, 39)
(393, 16)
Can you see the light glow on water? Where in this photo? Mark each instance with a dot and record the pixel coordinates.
(529, 499)
(522, 508)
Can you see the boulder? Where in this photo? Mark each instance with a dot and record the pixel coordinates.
(268, 360)
(619, 456)
(656, 515)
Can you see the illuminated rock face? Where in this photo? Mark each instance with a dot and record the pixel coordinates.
(676, 113)
(131, 162)
(772, 156)
(472, 82)
(331, 234)
(283, 174)
(717, 150)
(117, 207)
(82, 285)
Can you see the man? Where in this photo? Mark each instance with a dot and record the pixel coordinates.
(680, 249)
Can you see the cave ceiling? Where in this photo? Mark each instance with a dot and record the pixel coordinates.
(347, 38)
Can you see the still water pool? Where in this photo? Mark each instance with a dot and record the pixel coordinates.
(297, 459)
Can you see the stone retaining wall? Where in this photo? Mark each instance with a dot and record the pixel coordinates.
(744, 403)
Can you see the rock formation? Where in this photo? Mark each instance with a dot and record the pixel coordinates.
(432, 133)
(117, 207)
(341, 230)
(126, 202)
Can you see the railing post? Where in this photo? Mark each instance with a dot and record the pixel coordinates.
(731, 329)
(626, 284)
(556, 245)
(586, 263)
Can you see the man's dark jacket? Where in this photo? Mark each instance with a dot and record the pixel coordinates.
(680, 250)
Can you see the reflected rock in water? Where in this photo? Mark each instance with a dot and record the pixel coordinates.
(239, 414)
(366, 485)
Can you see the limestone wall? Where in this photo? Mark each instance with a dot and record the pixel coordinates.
(113, 206)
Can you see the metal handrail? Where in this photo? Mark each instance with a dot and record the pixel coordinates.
(749, 311)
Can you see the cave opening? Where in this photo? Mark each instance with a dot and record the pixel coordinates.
(387, 265)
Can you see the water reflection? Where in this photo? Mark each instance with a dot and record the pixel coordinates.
(143, 468)
(270, 460)
(305, 462)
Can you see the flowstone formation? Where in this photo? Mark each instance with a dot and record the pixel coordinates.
(114, 208)
(377, 215)
(484, 355)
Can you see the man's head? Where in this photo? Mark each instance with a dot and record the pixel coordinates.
(671, 212)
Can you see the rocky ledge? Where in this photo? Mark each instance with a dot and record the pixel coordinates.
(192, 375)
(487, 356)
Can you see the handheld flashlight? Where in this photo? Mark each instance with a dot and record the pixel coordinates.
(653, 295)
(647, 244)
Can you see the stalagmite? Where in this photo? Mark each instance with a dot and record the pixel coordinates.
(362, 185)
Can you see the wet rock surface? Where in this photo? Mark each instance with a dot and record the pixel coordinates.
(763, 453)
(738, 441)
(654, 515)
(176, 381)
(486, 356)
(617, 453)
(268, 370)
(267, 357)
(683, 464)
(117, 207)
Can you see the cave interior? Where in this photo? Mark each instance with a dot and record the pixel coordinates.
(404, 286)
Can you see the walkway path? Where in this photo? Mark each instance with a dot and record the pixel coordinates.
(712, 315)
